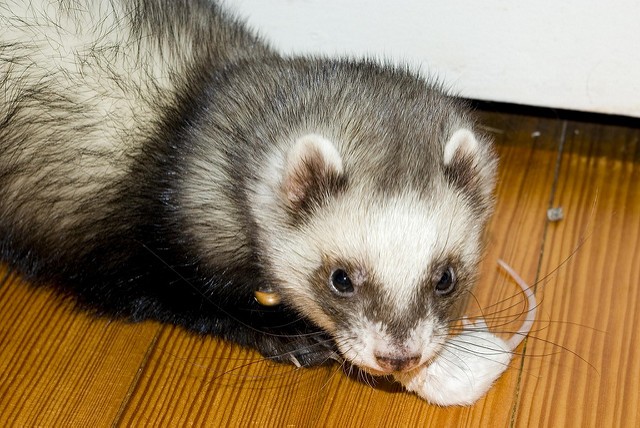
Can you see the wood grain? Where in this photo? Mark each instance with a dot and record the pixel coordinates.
(584, 368)
(581, 367)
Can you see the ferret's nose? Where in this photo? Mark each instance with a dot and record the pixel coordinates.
(394, 364)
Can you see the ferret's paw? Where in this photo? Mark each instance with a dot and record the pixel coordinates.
(302, 352)
(464, 370)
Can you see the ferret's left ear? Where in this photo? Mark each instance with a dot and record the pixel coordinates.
(462, 144)
(470, 163)
(313, 171)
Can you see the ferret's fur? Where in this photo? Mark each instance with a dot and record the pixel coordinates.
(158, 160)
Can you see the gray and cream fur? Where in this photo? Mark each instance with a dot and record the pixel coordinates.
(158, 160)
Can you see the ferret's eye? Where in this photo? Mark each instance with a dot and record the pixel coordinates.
(446, 283)
(341, 282)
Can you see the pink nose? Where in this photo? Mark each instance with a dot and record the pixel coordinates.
(394, 364)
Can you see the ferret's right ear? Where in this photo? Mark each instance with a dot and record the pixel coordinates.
(313, 171)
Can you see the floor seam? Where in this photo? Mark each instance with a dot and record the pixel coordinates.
(552, 195)
(117, 420)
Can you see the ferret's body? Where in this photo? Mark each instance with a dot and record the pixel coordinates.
(159, 161)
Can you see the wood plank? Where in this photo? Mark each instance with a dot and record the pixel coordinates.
(62, 367)
(584, 367)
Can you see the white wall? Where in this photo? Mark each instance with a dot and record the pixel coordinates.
(574, 54)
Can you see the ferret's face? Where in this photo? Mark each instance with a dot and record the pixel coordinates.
(384, 273)
(387, 277)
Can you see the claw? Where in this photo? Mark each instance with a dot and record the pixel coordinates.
(295, 361)
(477, 324)
(481, 324)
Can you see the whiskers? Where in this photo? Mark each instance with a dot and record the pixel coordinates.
(502, 317)
(290, 340)
(222, 310)
(223, 364)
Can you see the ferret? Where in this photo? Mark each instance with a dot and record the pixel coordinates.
(158, 160)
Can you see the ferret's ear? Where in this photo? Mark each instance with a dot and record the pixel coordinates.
(313, 171)
(462, 144)
(470, 163)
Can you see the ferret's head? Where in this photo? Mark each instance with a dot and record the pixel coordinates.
(375, 235)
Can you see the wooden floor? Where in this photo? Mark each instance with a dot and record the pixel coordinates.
(580, 367)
